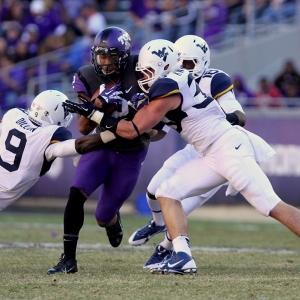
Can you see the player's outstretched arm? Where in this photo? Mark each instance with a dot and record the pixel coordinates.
(74, 147)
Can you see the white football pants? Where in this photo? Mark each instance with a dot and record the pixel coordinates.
(230, 158)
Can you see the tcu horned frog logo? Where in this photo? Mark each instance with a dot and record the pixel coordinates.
(125, 40)
(161, 53)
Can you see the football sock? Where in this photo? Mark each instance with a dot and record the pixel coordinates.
(156, 210)
(167, 242)
(182, 244)
(73, 221)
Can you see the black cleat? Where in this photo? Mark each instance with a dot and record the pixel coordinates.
(115, 232)
(64, 266)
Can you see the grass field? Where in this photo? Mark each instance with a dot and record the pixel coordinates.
(235, 260)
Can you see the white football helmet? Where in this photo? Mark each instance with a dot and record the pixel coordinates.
(193, 47)
(47, 109)
(156, 59)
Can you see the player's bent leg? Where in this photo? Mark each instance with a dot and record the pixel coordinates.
(288, 216)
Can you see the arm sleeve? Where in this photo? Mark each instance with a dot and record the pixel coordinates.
(229, 103)
(61, 149)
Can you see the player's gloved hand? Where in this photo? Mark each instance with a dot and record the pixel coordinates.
(138, 101)
(113, 95)
(87, 108)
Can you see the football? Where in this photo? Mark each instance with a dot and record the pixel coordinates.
(110, 108)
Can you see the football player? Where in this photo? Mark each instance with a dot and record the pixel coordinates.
(112, 75)
(226, 152)
(195, 56)
(31, 140)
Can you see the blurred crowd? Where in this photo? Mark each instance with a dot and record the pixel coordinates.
(282, 90)
(29, 29)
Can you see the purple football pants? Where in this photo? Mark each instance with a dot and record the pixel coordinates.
(116, 172)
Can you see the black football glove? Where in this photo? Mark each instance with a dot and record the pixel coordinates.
(87, 108)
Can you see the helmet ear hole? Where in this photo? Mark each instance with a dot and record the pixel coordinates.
(166, 67)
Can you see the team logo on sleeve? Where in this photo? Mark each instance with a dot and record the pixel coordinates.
(203, 47)
(161, 53)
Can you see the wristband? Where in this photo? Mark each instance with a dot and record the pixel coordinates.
(232, 118)
(109, 123)
(107, 136)
(96, 116)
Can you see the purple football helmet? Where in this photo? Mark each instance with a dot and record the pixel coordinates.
(111, 41)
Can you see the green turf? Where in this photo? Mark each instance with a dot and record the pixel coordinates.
(248, 271)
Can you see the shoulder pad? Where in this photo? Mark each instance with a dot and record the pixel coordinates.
(163, 87)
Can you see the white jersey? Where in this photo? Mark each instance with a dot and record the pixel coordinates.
(199, 119)
(22, 153)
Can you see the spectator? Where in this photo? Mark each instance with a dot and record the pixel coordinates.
(3, 46)
(235, 12)
(142, 16)
(15, 10)
(21, 52)
(90, 20)
(268, 95)
(12, 33)
(292, 93)
(12, 82)
(47, 19)
(185, 17)
(243, 94)
(289, 74)
(214, 17)
(167, 19)
(30, 36)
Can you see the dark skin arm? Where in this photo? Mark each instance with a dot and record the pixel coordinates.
(88, 143)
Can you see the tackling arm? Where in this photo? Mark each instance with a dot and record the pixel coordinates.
(74, 147)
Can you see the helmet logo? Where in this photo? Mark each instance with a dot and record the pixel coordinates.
(125, 40)
(161, 53)
(203, 47)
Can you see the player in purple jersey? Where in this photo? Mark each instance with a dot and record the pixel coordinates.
(112, 75)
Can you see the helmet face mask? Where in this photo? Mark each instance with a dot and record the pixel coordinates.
(192, 47)
(47, 109)
(114, 44)
(156, 59)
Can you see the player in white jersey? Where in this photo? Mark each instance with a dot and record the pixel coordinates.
(226, 152)
(30, 141)
(195, 56)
